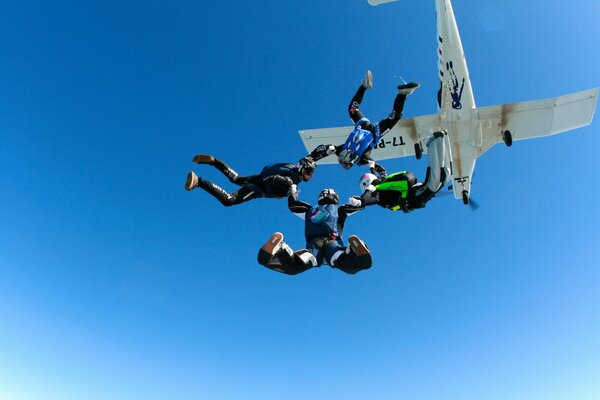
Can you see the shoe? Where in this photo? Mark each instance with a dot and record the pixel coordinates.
(269, 249)
(273, 244)
(357, 246)
(192, 181)
(408, 88)
(203, 159)
(367, 81)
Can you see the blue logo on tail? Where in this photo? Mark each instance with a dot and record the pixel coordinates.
(456, 93)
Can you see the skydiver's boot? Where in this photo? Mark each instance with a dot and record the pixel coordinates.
(268, 251)
(358, 246)
(367, 81)
(357, 257)
(192, 181)
(203, 159)
(408, 88)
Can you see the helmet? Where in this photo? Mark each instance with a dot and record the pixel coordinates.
(328, 196)
(366, 180)
(306, 165)
(347, 158)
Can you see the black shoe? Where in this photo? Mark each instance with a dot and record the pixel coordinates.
(408, 88)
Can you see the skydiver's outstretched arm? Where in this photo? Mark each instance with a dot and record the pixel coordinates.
(344, 211)
(323, 151)
(298, 207)
(369, 197)
(349, 209)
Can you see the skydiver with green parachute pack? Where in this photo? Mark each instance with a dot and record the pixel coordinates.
(401, 190)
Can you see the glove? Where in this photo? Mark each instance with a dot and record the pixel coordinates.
(324, 149)
(293, 191)
(354, 201)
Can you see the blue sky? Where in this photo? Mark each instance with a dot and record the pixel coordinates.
(116, 283)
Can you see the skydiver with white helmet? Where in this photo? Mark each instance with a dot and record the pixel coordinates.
(323, 226)
(274, 181)
(361, 141)
(400, 190)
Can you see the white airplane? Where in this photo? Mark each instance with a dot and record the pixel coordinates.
(472, 130)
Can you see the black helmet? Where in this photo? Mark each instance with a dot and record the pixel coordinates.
(306, 165)
(328, 196)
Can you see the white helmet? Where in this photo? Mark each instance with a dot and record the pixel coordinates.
(365, 181)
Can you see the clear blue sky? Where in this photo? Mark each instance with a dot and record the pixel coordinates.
(116, 283)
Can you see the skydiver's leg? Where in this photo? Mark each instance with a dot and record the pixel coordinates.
(354, 106)
(439, 167)
(388, 123)
(225, 169)
(352, 259)
(245, 193)
(275, 254)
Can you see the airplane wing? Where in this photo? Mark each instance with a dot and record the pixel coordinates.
(532, 119)
(398, 142)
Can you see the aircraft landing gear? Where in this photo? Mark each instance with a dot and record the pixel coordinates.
(465, 197)
(507, 137)
(418, 150)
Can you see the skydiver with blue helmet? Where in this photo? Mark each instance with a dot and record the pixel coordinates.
(323, 226)
(401, 190)
(274, 181)
(361, 141)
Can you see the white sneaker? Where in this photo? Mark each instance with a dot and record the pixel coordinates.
(367, 81)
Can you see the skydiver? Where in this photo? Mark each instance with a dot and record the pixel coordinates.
(274, 181)
(323, 228)
(361, 141)
(401, 191)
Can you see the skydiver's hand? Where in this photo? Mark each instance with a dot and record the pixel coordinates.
(294, 192)
(354, 201)
(323, 149)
